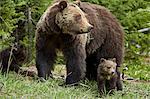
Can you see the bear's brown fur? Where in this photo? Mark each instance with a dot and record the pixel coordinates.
(106, 39)
(66, 33)
(12, 58)
(106, 75)
(63, 26)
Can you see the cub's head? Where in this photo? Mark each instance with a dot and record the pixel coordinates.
(19, 52)
(71, 19)
(107, 67)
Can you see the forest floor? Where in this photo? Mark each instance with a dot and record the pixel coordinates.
(15, 86)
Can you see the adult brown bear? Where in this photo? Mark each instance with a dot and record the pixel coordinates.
(107, 39)
(64, 26)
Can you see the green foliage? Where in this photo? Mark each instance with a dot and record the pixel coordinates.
(37, 7)
(7, 14)
(137, 45)
(7, 9)
(11, 12)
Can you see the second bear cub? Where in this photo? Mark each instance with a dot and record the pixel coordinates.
(106, 75)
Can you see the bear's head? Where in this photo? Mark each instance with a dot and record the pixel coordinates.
(107, 67)
(19, 52)
(71, 19)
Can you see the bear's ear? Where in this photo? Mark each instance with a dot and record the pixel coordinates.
(15, 46)
(102, 60)
(114, 60)
(62, 5)
(77, 2)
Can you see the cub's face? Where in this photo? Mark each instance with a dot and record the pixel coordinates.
(19, 53)
(108, 67)
(71, 19)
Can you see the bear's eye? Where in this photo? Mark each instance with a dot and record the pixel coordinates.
(78, 17)
(108, 67)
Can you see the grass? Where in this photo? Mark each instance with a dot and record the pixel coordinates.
(138, 70)
(14, 86)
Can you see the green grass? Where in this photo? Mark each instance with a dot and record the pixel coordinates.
(17, 87)
(138, 70)
(14, 86)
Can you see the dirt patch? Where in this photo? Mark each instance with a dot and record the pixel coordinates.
(147, 60)
(31, 68)
(59, 71)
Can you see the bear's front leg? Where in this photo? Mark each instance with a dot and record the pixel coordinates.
(15, 67)
(112, 84)
(101, 85)
(44, 63)
(76, 66)
(45, 55)
(119, 82)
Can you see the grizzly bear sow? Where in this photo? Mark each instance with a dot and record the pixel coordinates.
(106, 75)
(64, 26)
(106, 40)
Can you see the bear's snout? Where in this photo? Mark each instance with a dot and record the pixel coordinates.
(90, 28)
(87, 30)
(112, 72)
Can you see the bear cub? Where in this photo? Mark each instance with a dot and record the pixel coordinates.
(107, 76)
(12, 58)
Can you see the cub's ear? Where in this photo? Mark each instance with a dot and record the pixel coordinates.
(15, 46)
(62, 5)
(102, 60)
(77, 2)
(114, 59)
